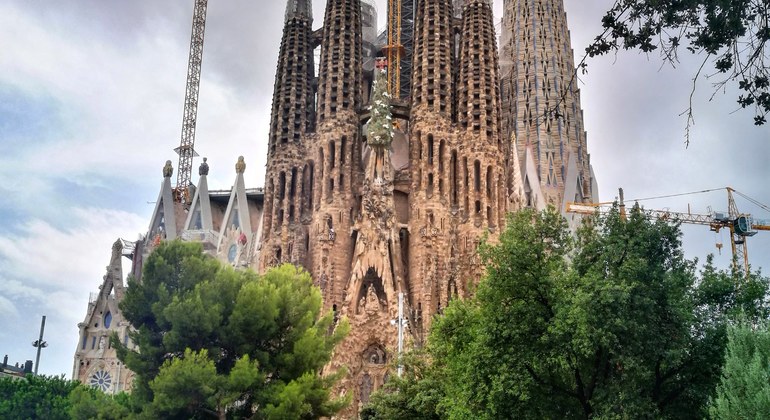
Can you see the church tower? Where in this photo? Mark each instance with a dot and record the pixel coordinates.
(482, 152)
(432, 144)
(289, 178)
(541, 103)
(336, 150)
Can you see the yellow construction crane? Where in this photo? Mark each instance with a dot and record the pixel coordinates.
(189, 118)
(740, 225)
(394, 49)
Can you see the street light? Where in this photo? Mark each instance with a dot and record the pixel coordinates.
(39, 344)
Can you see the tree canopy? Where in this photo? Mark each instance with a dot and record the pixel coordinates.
(732, 35)
(744, 390)
(213, 341)
(612, 323)
(35, 397)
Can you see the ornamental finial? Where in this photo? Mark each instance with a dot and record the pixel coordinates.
(168, 170)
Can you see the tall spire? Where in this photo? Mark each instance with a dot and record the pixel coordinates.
(432, 69)
(479, 92)
(293, 113)
(299, 9)
(537, 65)
(340, 81)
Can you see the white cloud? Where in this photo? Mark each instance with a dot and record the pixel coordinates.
(7, 309)
(49, 270)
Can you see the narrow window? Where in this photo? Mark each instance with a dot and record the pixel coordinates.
(310, 184)
(441, 147)
(430, 149)
(293, 187)
(342, 149)
(477, 176)
(332, 154)
(419, 146)
(453, 178)
(489, 183)
(282, 186)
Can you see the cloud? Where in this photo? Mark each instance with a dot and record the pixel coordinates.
(8, 309)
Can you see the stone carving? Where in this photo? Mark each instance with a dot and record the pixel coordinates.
(204, 168)
(370, 302)
(168, 170)
(100, 350)
(366, 386)
(240, 166)
(374, 355)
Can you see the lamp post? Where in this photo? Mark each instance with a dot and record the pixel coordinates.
(40, 344)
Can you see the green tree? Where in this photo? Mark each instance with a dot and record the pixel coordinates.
(210, 337)
(613, 323)
(744, 391)
(732, 35)
(88, 403)
(415, 395)
(36, 397)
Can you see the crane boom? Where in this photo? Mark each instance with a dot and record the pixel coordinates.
(739, 224)
(189, 118)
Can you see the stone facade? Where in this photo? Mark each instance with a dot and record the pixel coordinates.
(384, 202)
(96, 362)
(373, 220)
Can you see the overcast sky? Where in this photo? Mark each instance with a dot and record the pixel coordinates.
(91, 95)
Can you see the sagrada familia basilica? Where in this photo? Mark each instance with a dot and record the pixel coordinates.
(382, 194)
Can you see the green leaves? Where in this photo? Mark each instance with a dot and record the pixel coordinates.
(215, 341)
(744, 390)
(613, 323)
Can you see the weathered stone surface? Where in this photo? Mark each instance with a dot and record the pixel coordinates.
(398, 206)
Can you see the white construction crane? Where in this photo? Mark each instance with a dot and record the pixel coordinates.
(185, 150)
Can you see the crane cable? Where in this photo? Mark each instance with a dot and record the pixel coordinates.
(763, 206)
(675, 195)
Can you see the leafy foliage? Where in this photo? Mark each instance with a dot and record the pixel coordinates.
(612, 323)
(36, 397)
(744, 391)
(733, 35)
(415, 395)
(90, 403)
(212, 339)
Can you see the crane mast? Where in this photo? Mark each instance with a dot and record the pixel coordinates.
(740, 225)
(185, 150)
(394, 48)
(398, 50)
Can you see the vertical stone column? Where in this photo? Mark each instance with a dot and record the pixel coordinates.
(481, 151)
(292, 120)
(432, 143)
(336, 148)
